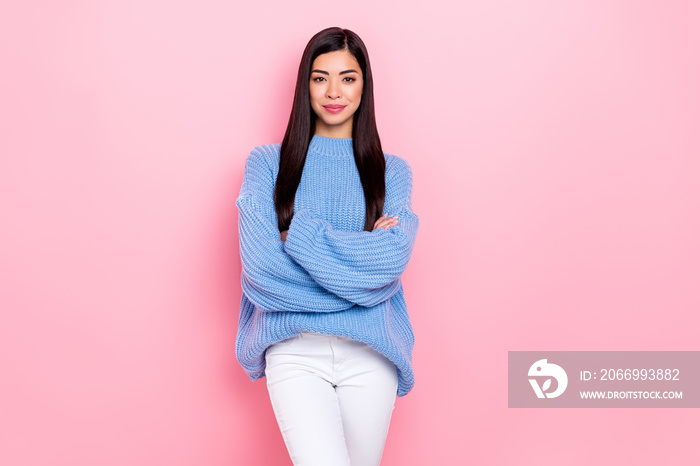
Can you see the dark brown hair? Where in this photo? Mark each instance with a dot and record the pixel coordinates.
(367, 148)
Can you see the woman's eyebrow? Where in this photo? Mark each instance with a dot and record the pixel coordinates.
(326, 72)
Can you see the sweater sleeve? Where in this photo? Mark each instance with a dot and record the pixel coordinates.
(270, 278)
(363, 267)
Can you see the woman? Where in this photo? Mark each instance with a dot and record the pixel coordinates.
(326, 229)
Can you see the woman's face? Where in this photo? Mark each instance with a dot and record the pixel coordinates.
(336, 81)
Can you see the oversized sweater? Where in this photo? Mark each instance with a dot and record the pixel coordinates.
(329, 276)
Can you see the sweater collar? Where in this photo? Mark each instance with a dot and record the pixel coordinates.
(338, 147)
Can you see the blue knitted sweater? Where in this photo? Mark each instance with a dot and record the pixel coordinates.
(329, 276)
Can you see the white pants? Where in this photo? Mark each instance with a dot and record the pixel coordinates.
(332, 397)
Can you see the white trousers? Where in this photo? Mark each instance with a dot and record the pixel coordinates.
(332, 397)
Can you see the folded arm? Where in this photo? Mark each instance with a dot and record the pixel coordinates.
(270, 278)
(363, 267)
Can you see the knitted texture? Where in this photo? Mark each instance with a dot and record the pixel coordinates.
(329, 276)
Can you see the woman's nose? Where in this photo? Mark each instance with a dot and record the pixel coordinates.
(333, 91)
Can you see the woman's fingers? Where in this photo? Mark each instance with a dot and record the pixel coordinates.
(386, 222)
(379, 221)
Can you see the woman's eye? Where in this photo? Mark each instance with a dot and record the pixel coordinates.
(318, 78)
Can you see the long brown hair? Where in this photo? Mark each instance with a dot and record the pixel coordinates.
(367, 148)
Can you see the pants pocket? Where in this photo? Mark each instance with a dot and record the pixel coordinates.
(288, 343)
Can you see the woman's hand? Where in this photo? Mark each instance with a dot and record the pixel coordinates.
(382, 222)
(386, 222)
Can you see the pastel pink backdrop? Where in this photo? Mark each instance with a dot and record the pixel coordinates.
(555, 153)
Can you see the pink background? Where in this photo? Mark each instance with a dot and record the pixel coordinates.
(555, 151)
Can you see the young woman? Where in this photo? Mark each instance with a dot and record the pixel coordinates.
(326, 229)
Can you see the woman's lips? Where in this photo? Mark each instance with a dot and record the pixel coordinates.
(334, 108)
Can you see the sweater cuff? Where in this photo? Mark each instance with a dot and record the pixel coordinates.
(302, 230)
